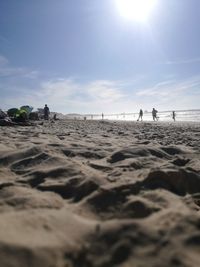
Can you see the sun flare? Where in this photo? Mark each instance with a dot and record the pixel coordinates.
(138, 10)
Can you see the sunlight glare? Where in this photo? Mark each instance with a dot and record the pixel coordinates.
(138, 10)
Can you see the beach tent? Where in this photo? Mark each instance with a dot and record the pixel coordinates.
(27, 108)
(12, 112)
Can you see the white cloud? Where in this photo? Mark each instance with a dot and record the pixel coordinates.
(31, 74)
(56, 93)
(172, 94)
(58, 88)
(170, 87)
(8, 71)
(184, 61)
(104, 91)
(67, 95)
(3, 61)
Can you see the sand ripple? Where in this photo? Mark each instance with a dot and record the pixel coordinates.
(100, 194)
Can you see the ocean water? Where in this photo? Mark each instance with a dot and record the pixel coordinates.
(181, 115)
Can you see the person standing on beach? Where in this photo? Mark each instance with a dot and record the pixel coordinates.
(102, 115)
(154, 114)
(140, 115)
(173, 115)
(46, 112)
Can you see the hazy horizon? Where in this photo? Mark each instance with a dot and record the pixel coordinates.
(98, 56)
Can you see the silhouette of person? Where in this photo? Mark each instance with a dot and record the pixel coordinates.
(55, 117)
(173, 115)
(140, 115)
(102, 116)
(154, 114)
(46, 112)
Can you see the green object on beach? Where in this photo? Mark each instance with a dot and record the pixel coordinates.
(12, 112)
(28, 109)
(17, 113)
(21, 113)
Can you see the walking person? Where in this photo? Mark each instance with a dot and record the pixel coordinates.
(140, 115)
(174, 115)
(154, 114)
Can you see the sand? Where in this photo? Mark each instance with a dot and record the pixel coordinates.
(100, 194)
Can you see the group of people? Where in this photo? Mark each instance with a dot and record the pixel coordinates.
(154, 115)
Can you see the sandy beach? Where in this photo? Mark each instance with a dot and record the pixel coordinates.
(100, 194)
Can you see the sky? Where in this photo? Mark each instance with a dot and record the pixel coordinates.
(85, 56)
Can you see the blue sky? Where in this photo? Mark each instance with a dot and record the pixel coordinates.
(82, 56)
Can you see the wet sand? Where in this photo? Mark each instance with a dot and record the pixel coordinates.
(100, 194)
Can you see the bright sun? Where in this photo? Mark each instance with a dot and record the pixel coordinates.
(138, 10)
